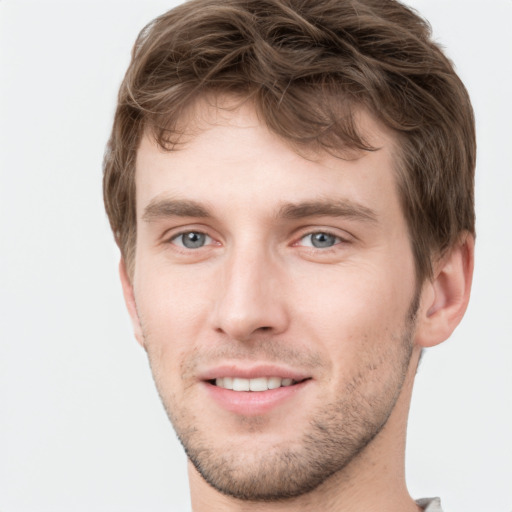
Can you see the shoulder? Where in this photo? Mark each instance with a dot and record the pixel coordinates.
(430, 504)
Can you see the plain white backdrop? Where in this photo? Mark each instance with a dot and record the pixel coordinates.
(81, 427)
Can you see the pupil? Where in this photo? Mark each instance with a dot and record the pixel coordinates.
(193, 240)
(323, 240)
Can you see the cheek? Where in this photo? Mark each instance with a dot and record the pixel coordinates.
(360, 328)
(349, 307)
(173, 309)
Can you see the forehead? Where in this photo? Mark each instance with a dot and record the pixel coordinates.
(213, 110)
(227, 153)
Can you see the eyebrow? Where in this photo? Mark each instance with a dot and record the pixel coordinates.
(164, 208)
(328, 208)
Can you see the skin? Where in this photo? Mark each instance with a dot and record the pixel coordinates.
(349, 315)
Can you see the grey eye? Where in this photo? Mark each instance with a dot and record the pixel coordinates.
(322, 240)
(192, 240)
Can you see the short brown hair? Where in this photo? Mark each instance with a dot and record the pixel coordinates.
(307, 65)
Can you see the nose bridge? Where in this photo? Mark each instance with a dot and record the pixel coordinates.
(249, 299)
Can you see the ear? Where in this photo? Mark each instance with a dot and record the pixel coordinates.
(129, 299)
(444, 299)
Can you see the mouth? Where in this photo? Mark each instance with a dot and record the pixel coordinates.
(255, 389)
(258, 384)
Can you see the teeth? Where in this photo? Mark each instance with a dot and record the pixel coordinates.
(241, 384)
(274, 383)
(257, 384)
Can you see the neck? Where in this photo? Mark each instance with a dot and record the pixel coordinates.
(373, 481)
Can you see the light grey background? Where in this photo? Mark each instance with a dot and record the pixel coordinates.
(81, 428)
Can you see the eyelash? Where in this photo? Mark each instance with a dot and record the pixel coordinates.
(337, 240)
(208, 240)
(182, 246)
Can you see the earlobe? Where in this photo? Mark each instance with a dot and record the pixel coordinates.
(129, 298)
(445, 298)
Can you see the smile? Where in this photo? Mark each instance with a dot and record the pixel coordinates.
(256, 384)
(253, 396)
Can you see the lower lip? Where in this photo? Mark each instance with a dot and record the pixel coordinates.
(253, 403)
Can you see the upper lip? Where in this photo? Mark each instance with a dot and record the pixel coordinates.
(252, 371)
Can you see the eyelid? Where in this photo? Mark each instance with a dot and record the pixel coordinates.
(172, 234)
(174, 231)
(342, 235)
(169, 235)
(311, 246)
(177, 236)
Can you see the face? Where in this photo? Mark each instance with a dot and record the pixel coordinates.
(275, 297)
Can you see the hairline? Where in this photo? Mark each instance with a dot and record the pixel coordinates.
(187, 120)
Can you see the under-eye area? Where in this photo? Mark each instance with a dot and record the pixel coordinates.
(256, 384)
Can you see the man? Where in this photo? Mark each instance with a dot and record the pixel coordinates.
(290, 183)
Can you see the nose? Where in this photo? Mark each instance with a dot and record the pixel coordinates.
(250, 299)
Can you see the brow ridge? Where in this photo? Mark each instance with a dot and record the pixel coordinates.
(327, 208)
(168, 207)
(163, 208)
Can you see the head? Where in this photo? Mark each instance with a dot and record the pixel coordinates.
(262, 149)
(307, 67)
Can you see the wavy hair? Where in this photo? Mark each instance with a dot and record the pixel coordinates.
(307, 66)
